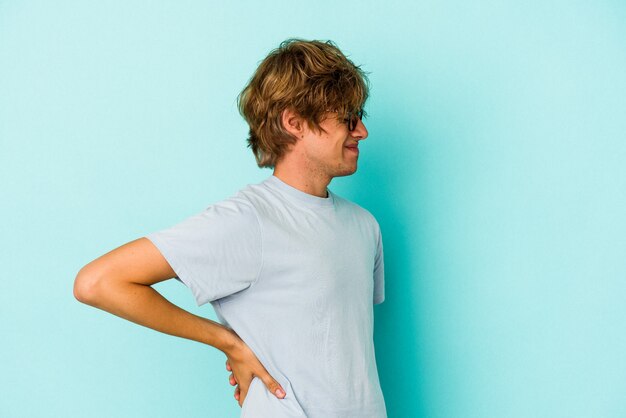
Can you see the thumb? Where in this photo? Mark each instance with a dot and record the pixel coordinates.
(273, 386)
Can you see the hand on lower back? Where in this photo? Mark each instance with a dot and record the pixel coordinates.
(245, 365)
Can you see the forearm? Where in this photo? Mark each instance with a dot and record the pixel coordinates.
(145, 306)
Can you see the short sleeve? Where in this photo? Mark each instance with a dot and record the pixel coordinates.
(216, 252)
(379, 270)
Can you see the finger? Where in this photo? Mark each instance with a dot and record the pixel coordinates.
(243, 392)
(232, 380)
(237, 396)
(240, 397)
(273, 386)
(228, 366)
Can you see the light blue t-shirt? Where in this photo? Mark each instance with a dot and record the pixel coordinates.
(296, 277)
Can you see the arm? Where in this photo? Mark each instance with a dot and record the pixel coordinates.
(120, 282)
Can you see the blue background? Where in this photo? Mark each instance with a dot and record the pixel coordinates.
(494, 164)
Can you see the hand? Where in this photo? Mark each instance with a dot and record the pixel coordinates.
(244, 365)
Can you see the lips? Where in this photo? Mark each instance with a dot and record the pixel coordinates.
(353, 148)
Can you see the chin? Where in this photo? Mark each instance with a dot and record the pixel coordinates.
(344, 173)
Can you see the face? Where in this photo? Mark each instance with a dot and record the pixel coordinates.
(333, 153)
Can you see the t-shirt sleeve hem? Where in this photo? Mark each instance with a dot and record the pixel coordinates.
(256, 214)
(179, 269)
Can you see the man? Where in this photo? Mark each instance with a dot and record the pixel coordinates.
(291, 269)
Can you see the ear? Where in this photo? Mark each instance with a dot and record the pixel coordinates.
(292, 122)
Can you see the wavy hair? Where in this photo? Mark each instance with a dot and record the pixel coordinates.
(311, 77)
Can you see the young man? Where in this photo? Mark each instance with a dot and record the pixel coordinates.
(291, 269)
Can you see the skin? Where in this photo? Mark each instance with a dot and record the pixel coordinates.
(120, 281)
(312, 162)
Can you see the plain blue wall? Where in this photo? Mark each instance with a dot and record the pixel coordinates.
(495, 166)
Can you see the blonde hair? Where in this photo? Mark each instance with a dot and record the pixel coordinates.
(311, 77)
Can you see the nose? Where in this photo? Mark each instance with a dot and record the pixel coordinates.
(360, 131)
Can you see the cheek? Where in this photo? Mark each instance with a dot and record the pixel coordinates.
(319, 152)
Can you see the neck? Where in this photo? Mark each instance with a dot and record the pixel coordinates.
(302, 179)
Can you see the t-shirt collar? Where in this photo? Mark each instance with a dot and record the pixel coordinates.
(306, 198)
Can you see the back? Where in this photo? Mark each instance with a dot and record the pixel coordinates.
(302, 299)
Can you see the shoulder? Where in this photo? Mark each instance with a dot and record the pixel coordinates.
(239, 203)
(233, 213)
(254, 195)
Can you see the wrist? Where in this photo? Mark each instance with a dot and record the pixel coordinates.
(230, 341)
(218, 335)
